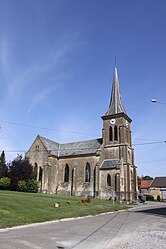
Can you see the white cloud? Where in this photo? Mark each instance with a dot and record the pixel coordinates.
(54, 59)
(40, 97)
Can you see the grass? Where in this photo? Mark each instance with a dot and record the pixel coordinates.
(17, 208)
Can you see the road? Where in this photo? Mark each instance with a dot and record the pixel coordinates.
(143, 226)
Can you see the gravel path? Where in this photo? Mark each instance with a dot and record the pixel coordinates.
(154, 236)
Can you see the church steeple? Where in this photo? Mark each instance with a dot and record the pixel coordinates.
(116, 105)
(116, 123)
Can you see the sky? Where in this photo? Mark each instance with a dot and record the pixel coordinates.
(57, 59)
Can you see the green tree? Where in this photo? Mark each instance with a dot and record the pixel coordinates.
(32, 186)
(19, 169)
(3, 166)
(147, 178)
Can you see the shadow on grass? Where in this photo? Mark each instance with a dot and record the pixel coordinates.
(156, 211)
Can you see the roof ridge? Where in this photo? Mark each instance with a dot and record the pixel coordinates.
(40, 137)
(48, 139)
(82, 141)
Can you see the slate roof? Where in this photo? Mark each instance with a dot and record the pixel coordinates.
(71, 149)
(80, 148)
(116, 105)
(50, 145)
(159, 182)
(109, 164)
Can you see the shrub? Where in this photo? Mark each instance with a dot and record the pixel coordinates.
(22, 186)
(5, 183)
(149, 198)
(158, 198)
(32, 186)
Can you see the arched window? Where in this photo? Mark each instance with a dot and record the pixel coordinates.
(115, 133)
(40, 174)
(129, 155)
(87, 173)
(35, 170)
(131, 174)
(40, 178)
(110, 133)
(66, 176)
(108, 180)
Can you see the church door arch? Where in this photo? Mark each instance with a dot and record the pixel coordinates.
(40, 178)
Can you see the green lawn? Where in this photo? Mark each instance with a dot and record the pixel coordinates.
(17, 208)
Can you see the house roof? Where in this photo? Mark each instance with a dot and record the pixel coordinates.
(71, 149)
(145, 184)
(109, 164)
(159, 182)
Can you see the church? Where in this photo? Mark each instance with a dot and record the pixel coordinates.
(100, 168)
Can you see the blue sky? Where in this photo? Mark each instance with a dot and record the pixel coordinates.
(56, 68)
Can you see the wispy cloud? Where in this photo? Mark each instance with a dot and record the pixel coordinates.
(54, 59)
(5, 51)
(42, 94)
(40, 97)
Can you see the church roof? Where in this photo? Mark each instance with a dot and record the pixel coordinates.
(109, 164)
(116, 105)
(80, 148)
(50, 145)
(72, 149)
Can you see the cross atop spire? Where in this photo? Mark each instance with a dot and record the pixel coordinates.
(116, 105)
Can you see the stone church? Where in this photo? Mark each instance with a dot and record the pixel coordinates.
(102, 167)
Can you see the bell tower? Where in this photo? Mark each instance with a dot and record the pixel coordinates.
(116, 123)
(117, 156)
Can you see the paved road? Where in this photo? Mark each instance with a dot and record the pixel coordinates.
(143, 226)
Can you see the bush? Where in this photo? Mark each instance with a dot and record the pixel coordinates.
(32, 186)
(5, 183)
(149, 198)
(158, 198)
(22, 186)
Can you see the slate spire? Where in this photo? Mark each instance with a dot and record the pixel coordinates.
(116, 105)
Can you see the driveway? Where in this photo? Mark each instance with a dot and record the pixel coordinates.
(143, 226)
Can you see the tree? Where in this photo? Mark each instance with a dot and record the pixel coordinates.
(3, 166)
(147, 178)
(19, 169)
(32, 186)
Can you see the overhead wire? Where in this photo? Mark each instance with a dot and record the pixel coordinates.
(154, 161)
(47, 128)
(153, 141)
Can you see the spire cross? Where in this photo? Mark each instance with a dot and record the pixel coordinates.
(115, 60)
